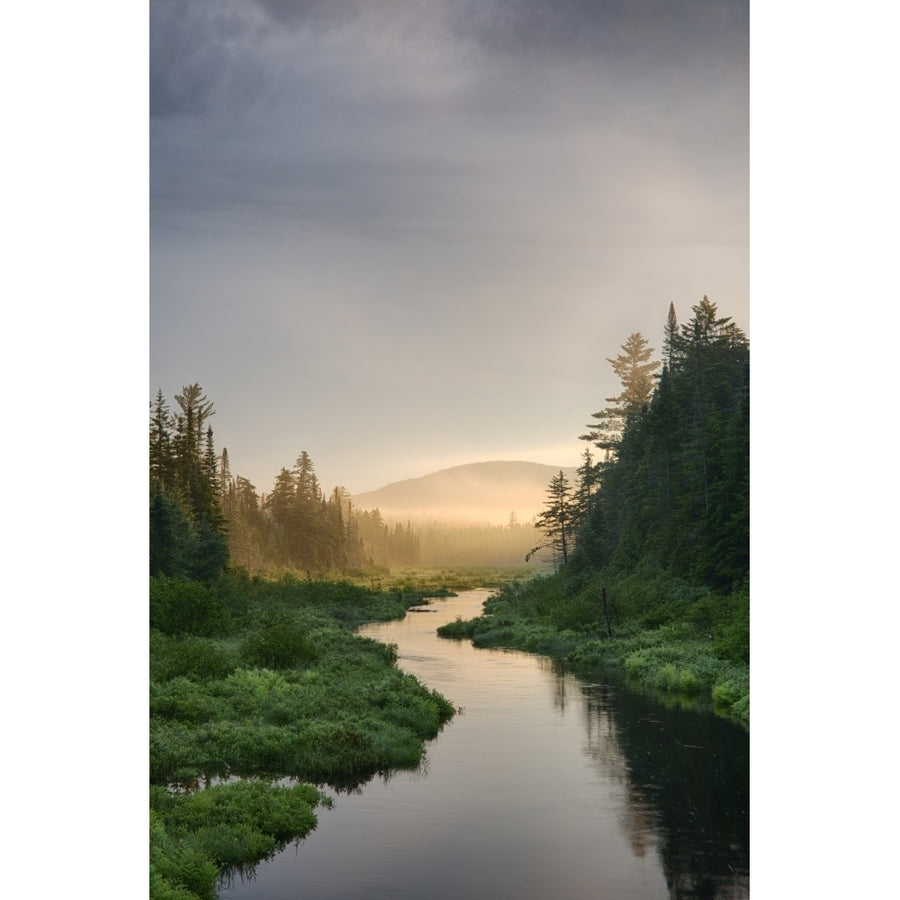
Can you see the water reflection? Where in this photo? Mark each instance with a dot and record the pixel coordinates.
(545, 786)
(687, 778)
(684, 774)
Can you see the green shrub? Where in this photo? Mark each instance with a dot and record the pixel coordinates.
(577, 613)
(741, 709)
(732, 640)
(190, 657)
(590, 654)
(703, 614)
(233, 845)
(688, 682)
(182, 699)
(279, 810)
(283, 645)
(182, 606)
(732, 696)
(396, 747)
(460, 630)
(178, 872)
(727, 692)
(726, 619)
(194, 835)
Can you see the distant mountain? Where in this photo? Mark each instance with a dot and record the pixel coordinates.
(477, 492)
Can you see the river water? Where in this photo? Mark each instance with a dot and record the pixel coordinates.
(544, 786)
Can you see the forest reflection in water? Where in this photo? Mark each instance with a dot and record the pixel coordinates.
(544, 785)
(686, 774)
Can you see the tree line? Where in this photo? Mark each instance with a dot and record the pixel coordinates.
(188, 535)
(671, 487)
(202, 516)
(664, 482)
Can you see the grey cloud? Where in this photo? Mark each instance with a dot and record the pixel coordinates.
(527, 26)
(317, 14)
(232, 57)
(617, 27)
(204, 56)
(230, 53)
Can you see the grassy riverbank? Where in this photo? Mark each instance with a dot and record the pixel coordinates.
(253, 682)
(683, 641)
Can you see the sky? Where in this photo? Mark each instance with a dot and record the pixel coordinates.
(403, 236)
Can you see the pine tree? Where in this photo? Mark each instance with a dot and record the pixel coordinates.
(185, 503)
(170, 535)
(246, 525)
(196, 409)
(308, 540)
(670, 341)
(334, 538)
(556, 521)
(226, 486)
(279, 505)
(676, 496)
(195, 459)
(162, 460)
(635, 374)
(588, 479)
(352, 541)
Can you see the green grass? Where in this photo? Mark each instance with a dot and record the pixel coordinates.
(265, 680)
(332, 709)
(668, 636)
(271, 683)
(195, 836)
(440, 581)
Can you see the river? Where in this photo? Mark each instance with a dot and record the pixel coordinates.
(544, 786)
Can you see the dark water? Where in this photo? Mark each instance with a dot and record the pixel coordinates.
(545, 787)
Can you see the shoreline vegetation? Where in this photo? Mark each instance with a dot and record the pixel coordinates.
(686, 644)
(261, 693)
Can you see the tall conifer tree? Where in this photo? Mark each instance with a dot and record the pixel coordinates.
(556, 521)
(634, 370)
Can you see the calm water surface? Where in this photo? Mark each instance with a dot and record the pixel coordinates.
(545, 786)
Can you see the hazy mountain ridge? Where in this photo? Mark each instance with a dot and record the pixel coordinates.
(475, 492)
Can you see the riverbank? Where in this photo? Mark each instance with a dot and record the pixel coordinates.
(544, 785)
(253, 682)
(660, 633)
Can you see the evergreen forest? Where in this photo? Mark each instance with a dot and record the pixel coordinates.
(650, 546)
(204, 517)
(670, 488)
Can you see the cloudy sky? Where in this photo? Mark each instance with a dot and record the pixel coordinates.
(405, 234)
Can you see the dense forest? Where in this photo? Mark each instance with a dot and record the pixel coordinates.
(650, 545)
(671, 488)
(203, 516)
